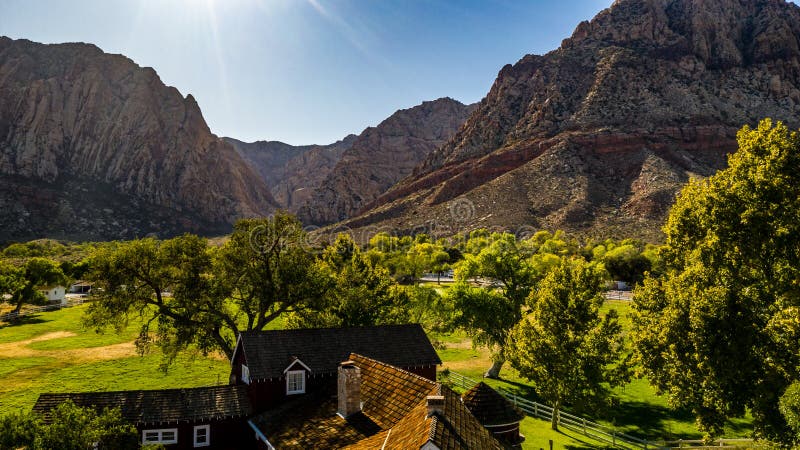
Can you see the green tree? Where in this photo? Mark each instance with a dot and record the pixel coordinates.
(564, 346)
(191, 295)
(69, 427)
(22, 282)
(719, 331)
(789, 405)
(490, 312)
(19, 430)
(356, 291)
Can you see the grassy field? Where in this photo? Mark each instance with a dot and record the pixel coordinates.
(52, 352)
(641, 412)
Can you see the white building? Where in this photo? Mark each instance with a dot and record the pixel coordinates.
(54, 293)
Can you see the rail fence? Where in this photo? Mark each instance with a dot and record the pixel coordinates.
(29, 310)
(594, 430)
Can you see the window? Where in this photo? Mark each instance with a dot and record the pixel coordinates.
(165, 436)
(202, 435)
(295, 382)
(245, 374)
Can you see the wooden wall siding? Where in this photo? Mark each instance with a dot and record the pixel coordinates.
(232, 434)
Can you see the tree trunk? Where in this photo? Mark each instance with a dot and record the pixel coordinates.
(554, 419)
(494, 371)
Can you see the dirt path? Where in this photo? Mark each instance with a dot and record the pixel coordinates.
(21, 349)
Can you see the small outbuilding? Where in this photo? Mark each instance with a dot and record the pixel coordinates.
(56, 294)
(498, 415)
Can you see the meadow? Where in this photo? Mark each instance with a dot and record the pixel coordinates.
(53, 352)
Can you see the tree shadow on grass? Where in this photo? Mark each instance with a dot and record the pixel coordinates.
(24, 320)
(520, 389)
(643, 419)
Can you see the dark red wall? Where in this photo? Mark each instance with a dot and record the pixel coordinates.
(227, 434)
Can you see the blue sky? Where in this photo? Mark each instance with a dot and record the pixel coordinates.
(308, 71)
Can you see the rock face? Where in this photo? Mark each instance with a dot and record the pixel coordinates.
(599, 135)
(92, 146)
(292, 172)
(380, 157)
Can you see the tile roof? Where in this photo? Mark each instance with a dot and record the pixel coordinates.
(394, 416)
(269, 352)
(159, 406)
(489, 407)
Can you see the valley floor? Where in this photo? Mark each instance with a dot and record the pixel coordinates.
(52, 352)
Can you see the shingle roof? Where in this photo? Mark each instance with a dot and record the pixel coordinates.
(454, 429)
(394, 416)
(269, 352)
(489, 407)
(158, 406)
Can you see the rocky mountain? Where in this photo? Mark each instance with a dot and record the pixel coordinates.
(380, 157)
(292, 172)
(599, 135)
(92, 146)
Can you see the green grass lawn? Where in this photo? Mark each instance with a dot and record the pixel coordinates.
(53, 352)
(641, 411)
(65, 357)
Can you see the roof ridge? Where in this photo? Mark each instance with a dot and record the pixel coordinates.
(287, 330)
(183, 389)
(381, 363)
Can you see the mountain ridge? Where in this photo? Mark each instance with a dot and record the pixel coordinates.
(599, 135)
(72, 115)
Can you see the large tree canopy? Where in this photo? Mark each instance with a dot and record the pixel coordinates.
(564, 346)
(490, 312)
(358, 292)
(22, 282)
(193, 295)
(719, 332)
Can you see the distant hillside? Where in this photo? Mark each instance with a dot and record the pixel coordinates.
(92, 146)
(599, 135)
(323, 184)
(292, 172)
(381, 156)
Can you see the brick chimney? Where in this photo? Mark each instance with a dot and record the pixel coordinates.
(349, 389)
(435, 405)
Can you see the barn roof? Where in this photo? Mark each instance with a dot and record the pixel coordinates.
(160, 406)
(268, 353)
(393, 415)
(489, 407)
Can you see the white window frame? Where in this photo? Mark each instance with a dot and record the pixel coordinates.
(245, 374)
(207, 428)
(302, 388)
(160, 433)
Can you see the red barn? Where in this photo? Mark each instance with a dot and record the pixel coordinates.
(282, 364)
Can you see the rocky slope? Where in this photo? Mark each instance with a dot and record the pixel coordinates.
(292, 172)
(599, 135)
(380, 157)
(92, 146)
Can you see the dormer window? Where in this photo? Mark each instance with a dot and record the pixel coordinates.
(295, 382)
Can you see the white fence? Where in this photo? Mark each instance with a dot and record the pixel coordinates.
(594, 430)
(14, 315)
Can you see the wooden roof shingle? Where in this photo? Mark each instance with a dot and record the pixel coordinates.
(160, 406)
(489, 407)
(269, 352)
(394, 416)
